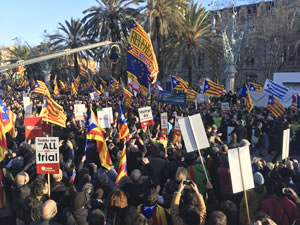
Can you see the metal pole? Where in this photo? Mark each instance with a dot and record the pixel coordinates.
(54, 55)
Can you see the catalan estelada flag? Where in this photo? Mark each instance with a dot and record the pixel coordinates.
(191, 95)
(254, 87)
(101, 88)
(3, 144)
(64, 86)
(122, 126)
(8, 119)
(113, 84)
(142, 66)
(52, 112)
(127, 96)
(56, 89)
(94, 132)
(294, 102)
(40, 87)
(93, 89)
(122, 171)
(74, 87)
(245, 94)
(275, 107)
(213, 89)
(103, 82)
(178, 83)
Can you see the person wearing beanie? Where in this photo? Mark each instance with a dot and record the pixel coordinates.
(255, 197)
(78, 212)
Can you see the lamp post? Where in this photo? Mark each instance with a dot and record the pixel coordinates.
(232, 38)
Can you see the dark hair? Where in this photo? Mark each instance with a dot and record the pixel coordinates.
(189, 207)
(150, 197)
(230, 210)
(96, 217)
(217, 218)
(38, 186)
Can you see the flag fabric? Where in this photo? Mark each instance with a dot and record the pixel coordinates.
(133, 86)
(64, 86)
(178, 83)
(142, 67)
(21, 70)
(254, 87)
(191, 95)
(296, 101)
(56, 89)
(3, 144)
(72, 177)
(127, 96)
(245, 94)
(52, 112)
(113, 84)
(122, 171)
(275, 89)
(103, 82)
(122, 126)
(101, 88)
(94, 132)
(93, 89)
(149, 94)
(213, 89)
(8, 119)
(74, 87)
(275, 107)
(40, 87)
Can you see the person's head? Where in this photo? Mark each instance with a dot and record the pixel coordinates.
(21, 179)
(96, 217)
(181, 174)
(189, 207)
(150, 197)
(217, 218)
(49, 209)
(258, 178)
(230, 210)
(117, 199)
(259, 124)
(39, 187)
(79, 200)
(58, 177)
(136, 175)
(244, 142)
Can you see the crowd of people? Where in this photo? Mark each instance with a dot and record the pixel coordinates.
(165, 184)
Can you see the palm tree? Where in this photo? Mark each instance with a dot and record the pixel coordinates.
(164, 16)
(110, 20)
(196, 37)
(72, 35)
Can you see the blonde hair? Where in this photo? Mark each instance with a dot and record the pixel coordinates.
(181, 174)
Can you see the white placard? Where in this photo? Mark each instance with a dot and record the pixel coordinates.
(106, 95)
(286, 144)
(79, 111)
(189, 135)
(164, 120)
(94, 96)
(225, 106)
(47, 155)
(146, 117)
(104, 119)
(27, 107)
(235, 169)
(109, 111)
(24, 94)
(176, 125)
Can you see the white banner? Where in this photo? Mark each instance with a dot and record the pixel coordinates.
(79, 111)
(104, 119)
(286, 144)
(27, 107)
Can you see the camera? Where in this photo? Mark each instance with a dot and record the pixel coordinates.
(187, 182)
(285, 191)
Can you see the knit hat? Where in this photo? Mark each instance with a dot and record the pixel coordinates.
(258, 178)
(78, 201)
(214, 127)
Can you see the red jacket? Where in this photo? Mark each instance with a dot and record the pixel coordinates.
(281, 210)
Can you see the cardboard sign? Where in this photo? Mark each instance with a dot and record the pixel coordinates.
(225, 107)
(27, 107)
(177, 130)
(190, 135)
(146, 117)
(238, 166)
(164, 123)
(79, 111)
(229, 130)
(109, 111)
(47, 155)
(94, 96)
(286, 144)
(104, 119)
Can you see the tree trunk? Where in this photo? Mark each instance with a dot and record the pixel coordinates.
(159, 51)
(76, 65)
(190, 69)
